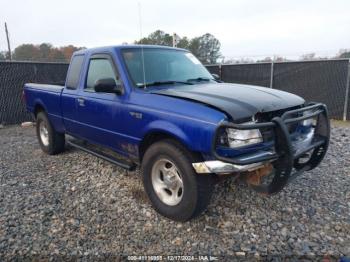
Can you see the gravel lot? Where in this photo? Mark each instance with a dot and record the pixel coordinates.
(75, 204)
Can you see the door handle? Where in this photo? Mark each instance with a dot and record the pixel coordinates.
(81, 101)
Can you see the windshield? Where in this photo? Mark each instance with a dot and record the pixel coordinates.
(163, 66)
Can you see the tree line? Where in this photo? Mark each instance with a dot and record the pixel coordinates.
(44, 52)
(206, 47)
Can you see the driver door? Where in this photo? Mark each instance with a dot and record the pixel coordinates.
(100, 114)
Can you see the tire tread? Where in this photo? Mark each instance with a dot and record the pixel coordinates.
(56, 139)
(204, 183)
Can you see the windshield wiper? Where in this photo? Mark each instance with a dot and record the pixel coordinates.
(159, 83)
(200, 79)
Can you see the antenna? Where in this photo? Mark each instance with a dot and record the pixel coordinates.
(142, 56)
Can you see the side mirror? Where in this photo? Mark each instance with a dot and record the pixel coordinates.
(216, 76)
(107, 85)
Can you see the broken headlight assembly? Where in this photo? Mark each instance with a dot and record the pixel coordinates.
(236, 138)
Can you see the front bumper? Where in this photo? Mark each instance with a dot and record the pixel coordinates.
(220, 167)
(285, 154)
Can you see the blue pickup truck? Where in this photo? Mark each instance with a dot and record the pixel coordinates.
(160, 109)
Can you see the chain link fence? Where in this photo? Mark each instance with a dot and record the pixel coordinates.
(324, 81)
(321, 81)
(13, 76)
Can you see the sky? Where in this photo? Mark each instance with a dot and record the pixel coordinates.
(245, 28)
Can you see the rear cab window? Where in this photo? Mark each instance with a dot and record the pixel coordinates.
(75, 67)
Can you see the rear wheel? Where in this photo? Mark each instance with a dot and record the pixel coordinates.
(172, 185)
(50, 141)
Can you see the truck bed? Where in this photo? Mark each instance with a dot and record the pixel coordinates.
(46, 96)
(46, 87)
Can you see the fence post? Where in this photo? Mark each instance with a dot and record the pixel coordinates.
(346, 103)
(271, 74)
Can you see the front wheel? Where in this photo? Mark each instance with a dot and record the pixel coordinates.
(172, 185)
(51, 142)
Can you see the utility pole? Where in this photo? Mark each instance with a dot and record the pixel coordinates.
(8, 42)
(175, 40)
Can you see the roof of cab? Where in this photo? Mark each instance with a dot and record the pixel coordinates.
(119, 47)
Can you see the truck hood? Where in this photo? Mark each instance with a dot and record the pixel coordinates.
(237, 100)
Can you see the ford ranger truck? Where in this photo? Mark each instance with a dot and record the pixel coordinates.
(160, 109)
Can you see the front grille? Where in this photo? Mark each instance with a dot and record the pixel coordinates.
(267, 116)
(268, 133)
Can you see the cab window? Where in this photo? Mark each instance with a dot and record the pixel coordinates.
(74, 72)
(99, 68)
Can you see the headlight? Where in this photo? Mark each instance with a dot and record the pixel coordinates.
(310, 121)
(238, 138)
(307, 122)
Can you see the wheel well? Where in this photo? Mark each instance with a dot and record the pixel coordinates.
(38, 108)
(154, 137)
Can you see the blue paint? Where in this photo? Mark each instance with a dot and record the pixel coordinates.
(109, 119)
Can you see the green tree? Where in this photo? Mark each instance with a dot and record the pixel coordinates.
(184, 42)
(44, 52)
(27, 52)
(45, 49)
(206, 48)
(157, 38)
(69, 50)
(56, 55)
(345, 54)
(2, 55)
(194, 46)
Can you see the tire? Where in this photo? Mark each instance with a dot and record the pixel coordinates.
(196, 189)
(50, 141)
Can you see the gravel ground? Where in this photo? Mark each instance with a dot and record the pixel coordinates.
(75, 204)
